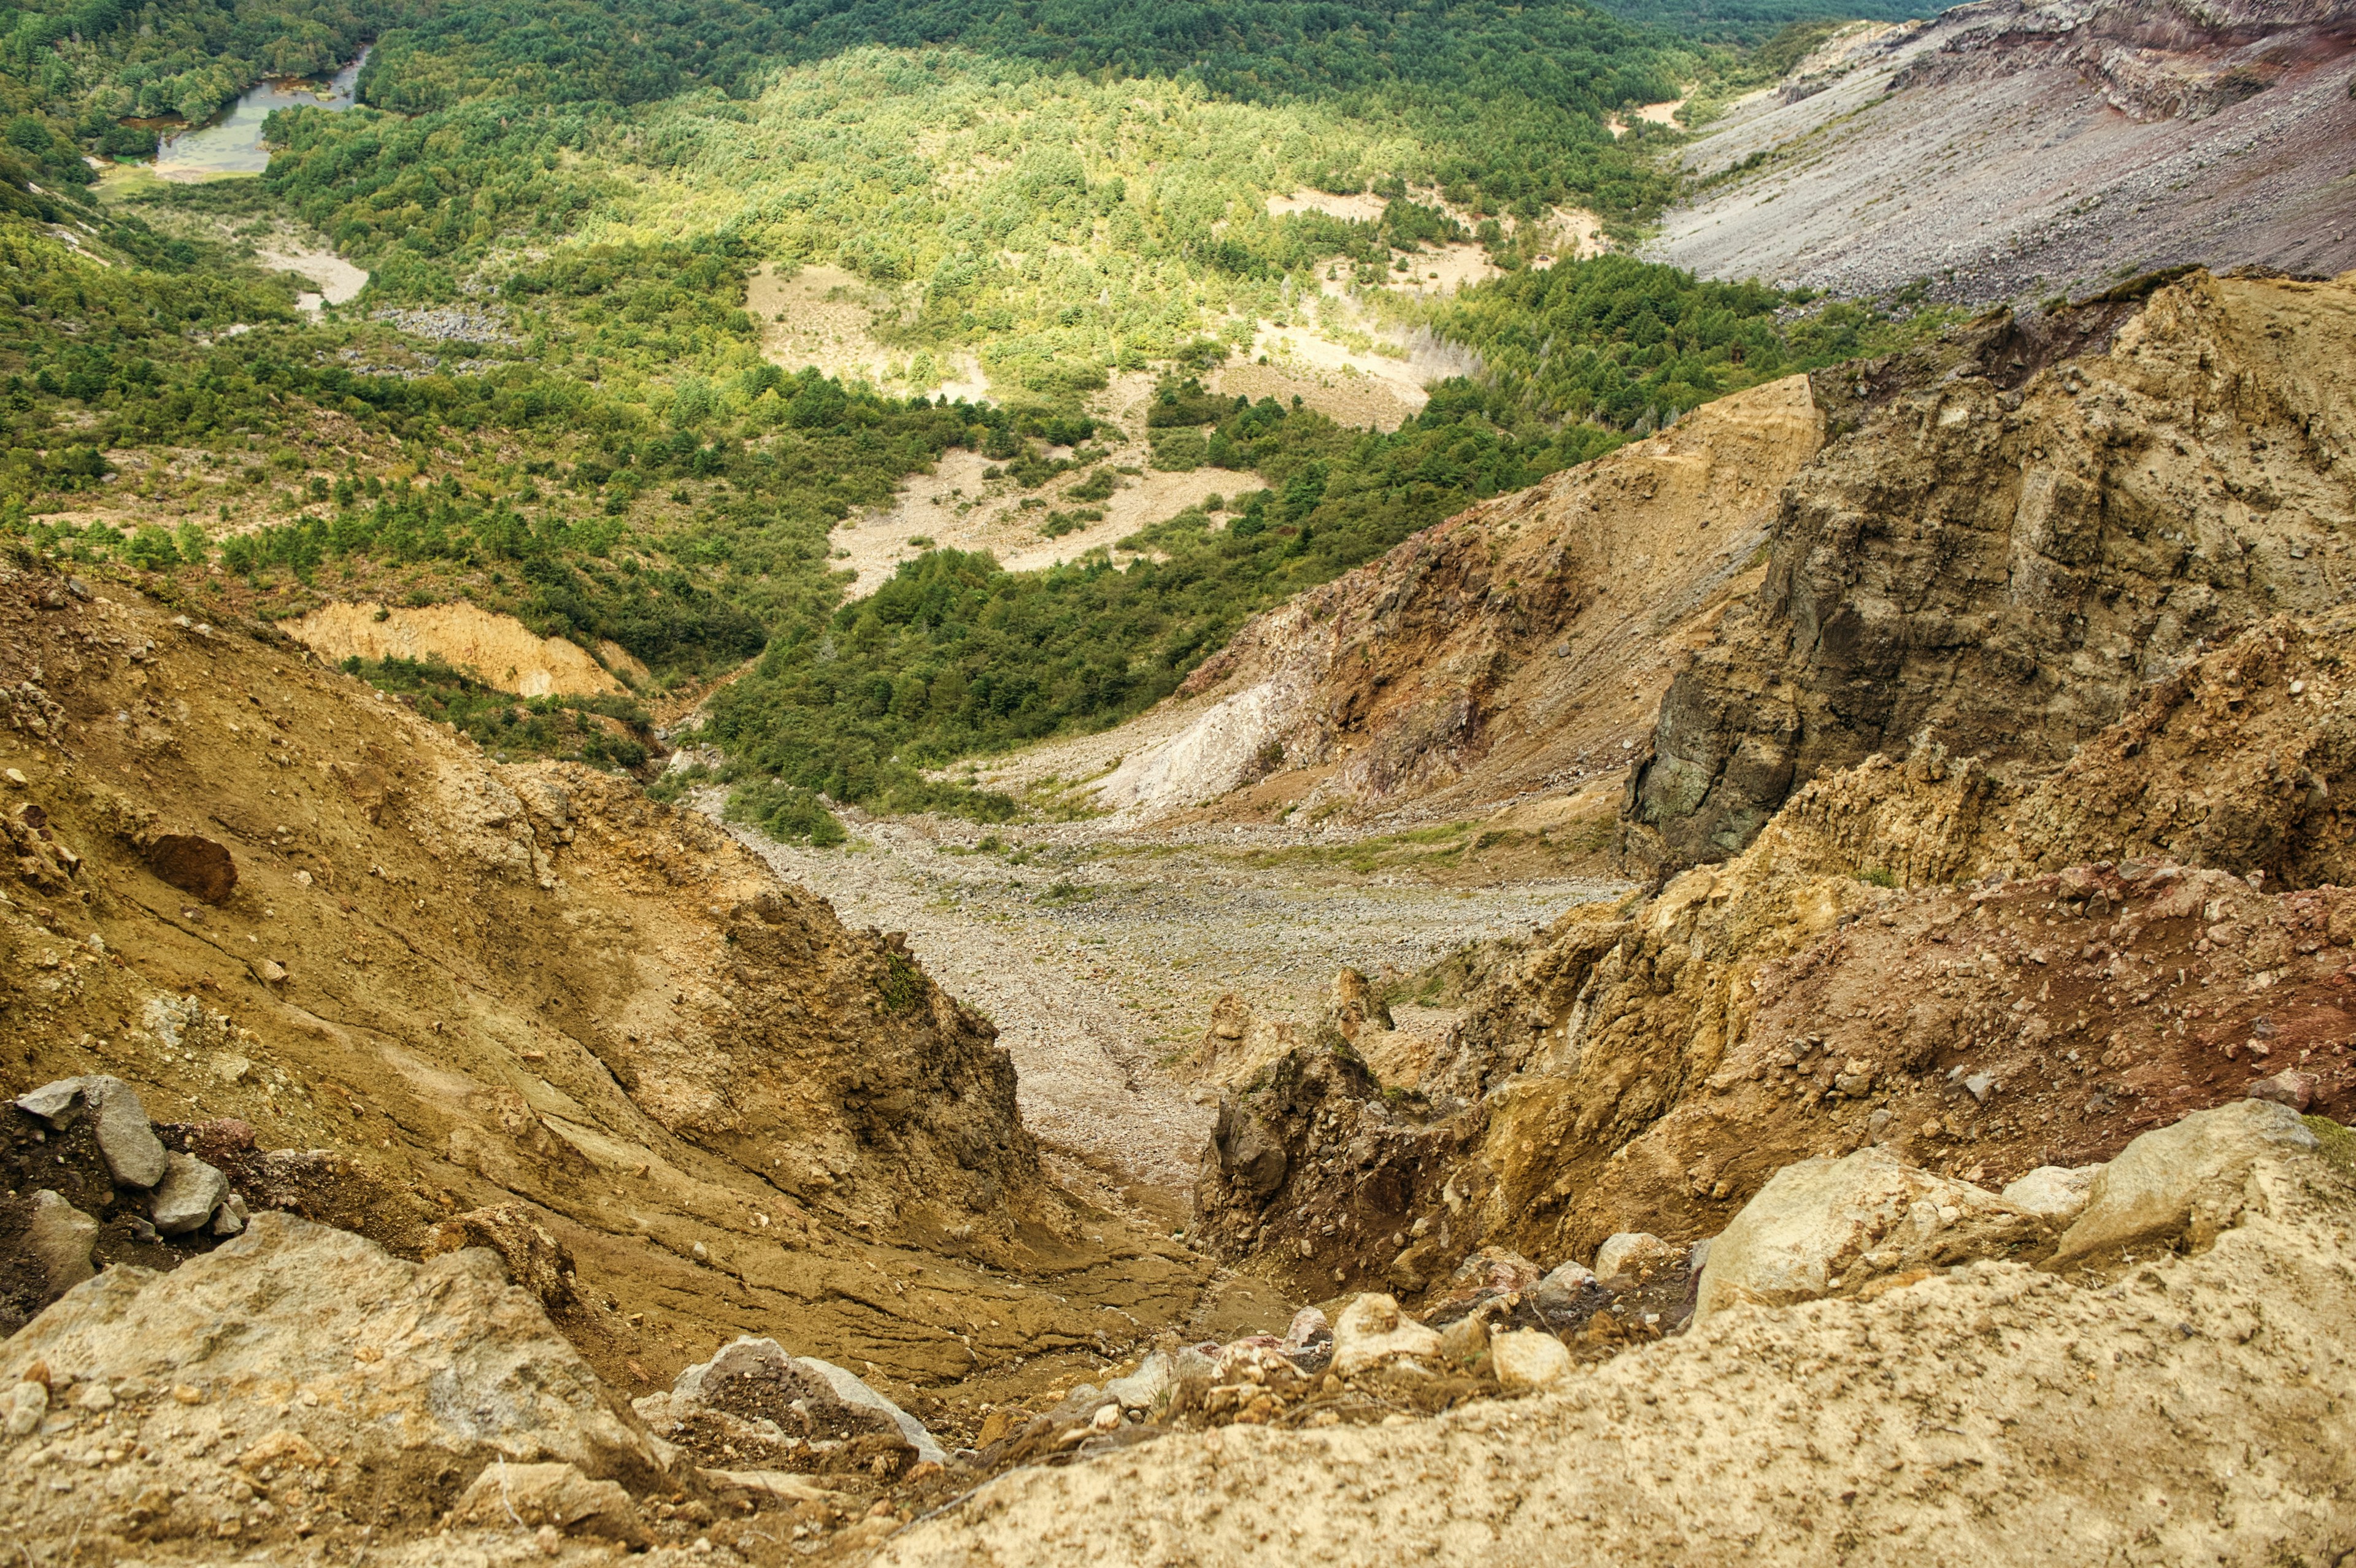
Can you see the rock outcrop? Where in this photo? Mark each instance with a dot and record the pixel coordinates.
(2018, 530)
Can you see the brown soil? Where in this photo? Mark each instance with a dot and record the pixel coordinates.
(471, 985)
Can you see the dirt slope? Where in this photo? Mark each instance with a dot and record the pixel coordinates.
(2009, 150)
(469, 983)
(1514, 647)
(2019, 528)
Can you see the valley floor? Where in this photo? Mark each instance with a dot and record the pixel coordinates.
(1098, 951)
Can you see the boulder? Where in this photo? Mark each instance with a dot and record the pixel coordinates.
(1372, 1330)
(2185, 1180)
(1632, 1257)
(1491, 1271)
(403, 1367)
(2056, 1191)
(185, 1199)
(1307, 1328)
(527, 1497)
(58, 1237)
(1524, 1358)
(755, 1377)
(1822, 1223)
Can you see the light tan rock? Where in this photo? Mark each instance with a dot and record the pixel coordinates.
(1372, 1330)
(1524, 1358)
(325, 1344)
(2056, 1191)
(1825, 1223)
(61, 1236)
(2189, 1178)
(1634, 1255)
(531, 1496)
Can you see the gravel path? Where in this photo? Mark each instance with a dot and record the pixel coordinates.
(1098, 956)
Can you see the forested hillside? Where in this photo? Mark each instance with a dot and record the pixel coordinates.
(552, 400)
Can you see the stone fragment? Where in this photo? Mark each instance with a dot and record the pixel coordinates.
(1372, 1330)
(59, 1236)
(536, 1260)
(196, 865)
(2185, 1178)
(1570, 1292)
(28, 1402)
(1822, 1222)
(1308, 1326)
(133, 1151)
(2056, 1191)
(752, 1374)
(1524, 1358)
(281, 1446)
(2289, 1087)
(1149, 1388)
(1489, 1272)
(57, 1104)
(187, 1197)
(231, 1217)
(507, 1497)
(1633, 1256)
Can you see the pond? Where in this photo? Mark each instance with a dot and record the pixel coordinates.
(231, 144)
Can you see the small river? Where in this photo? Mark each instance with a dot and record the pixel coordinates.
(231, 144)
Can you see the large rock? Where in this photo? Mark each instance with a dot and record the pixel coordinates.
(314, 1340)
(187, 1196)
(58, 1237)
(757, 1378)
(2188, 1179)
(528, 1496)
(198, 866)
(1825, 1223)
(1372, 1330)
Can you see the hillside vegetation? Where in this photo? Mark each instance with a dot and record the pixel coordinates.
(552, 400)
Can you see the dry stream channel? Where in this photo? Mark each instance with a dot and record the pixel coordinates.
(1099, 954)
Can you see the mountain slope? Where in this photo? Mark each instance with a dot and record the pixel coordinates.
(2009, 149)
(466, 984)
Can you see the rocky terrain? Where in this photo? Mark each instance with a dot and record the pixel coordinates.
(1935, 1146)
(2012, 149)
(2019, 531)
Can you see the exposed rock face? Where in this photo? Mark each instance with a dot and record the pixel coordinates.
(1516, 644)
(2016, 148)
(2021, 528)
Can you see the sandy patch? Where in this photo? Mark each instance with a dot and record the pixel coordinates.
(1569, 234)
(1661, 113)
(825, 316)
(339, 282)
(954, 507)
(1363, 208)
(499, 650)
